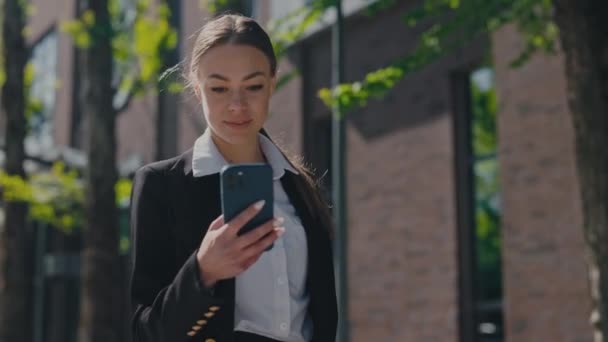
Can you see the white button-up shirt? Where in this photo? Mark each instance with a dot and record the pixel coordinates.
(271, 296)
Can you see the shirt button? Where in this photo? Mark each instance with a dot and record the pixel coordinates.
(283, 326)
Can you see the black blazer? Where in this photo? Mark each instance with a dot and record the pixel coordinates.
(170, 213)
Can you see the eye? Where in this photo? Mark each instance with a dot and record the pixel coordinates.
(219, 90)
(255, 87)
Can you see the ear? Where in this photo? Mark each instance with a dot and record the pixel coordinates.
(273, 84)
(197, 92)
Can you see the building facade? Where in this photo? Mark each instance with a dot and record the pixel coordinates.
(412, 173)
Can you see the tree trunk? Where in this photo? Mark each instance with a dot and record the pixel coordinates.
(584, 38)
(168, 103)
(101, 279)
(16, 236)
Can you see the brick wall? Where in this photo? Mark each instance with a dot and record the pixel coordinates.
(402, 268)
(545, 278)
(401, 221)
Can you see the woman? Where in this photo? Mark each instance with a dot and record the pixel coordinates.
(193, 278)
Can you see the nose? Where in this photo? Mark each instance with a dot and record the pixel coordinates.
(237, 101)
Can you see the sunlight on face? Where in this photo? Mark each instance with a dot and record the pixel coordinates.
(235, 85)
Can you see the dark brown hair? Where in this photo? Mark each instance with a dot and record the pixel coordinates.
(231, 29)
(241, 30)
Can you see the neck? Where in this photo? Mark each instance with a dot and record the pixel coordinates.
(249, 152)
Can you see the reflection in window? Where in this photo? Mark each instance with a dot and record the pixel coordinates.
(486, 202)
(41, 103)
(123, 68)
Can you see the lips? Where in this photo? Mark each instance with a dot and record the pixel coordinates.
(239, 123)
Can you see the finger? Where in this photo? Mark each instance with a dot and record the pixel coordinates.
(248, 263)
(261, 245)
(245, 216)
(217, 223)
(259, 232)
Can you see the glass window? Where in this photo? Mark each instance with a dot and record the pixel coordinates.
(479, 209)
(487, 211)
(41, 107)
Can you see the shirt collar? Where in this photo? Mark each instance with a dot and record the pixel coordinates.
(207, 159)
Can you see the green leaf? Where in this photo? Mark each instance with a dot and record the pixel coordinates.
(457, 22)
(289, 29)
(123, 191)
(138, 45)
(88, 18)
(55, 196)
(175, 87)
(78, 31)
(124, 244)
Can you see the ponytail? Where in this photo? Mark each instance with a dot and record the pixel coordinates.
(309, 188)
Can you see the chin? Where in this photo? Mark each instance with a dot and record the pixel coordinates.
(239, 137)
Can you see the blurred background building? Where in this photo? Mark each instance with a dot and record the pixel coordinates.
(464, 211)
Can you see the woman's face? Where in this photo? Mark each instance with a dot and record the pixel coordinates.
(235, 85)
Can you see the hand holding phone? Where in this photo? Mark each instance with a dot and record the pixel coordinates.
(247, 228)
(241, 185)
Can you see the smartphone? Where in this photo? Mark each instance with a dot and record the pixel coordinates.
(241, 185)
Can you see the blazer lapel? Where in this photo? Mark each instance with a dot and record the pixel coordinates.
(197, 204)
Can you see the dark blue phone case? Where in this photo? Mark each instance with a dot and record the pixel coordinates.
(241, 185)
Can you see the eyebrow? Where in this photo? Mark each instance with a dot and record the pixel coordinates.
(248, 77)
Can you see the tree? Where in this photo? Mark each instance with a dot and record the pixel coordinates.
(99, 278)
(137, 44)
(584, 40)
(16, 236)
(109, 44)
